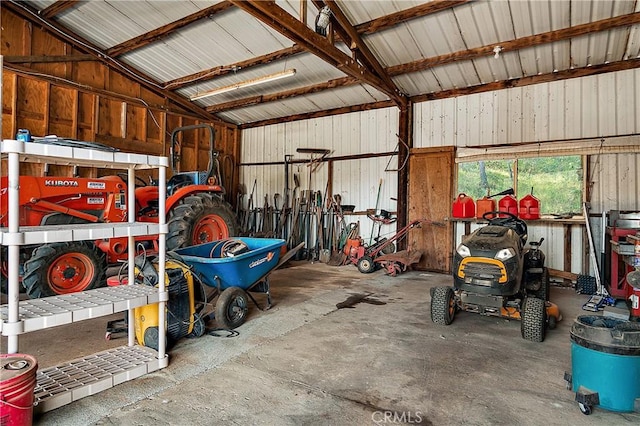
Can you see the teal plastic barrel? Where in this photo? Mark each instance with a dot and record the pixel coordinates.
(605, 358)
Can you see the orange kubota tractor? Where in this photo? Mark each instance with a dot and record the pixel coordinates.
(196, 213)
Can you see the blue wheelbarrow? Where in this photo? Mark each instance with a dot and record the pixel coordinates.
(232, 268)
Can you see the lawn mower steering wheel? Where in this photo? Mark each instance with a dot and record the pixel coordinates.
(495, 213)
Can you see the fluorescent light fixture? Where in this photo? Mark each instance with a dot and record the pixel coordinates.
(247, 83)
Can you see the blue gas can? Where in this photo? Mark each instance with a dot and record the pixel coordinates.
(23, 135)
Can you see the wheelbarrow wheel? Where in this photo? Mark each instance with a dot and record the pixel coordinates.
(232, 308)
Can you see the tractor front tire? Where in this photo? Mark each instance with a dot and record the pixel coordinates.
(534, 319)
(63, 268)
(443, 305)
(201, 218)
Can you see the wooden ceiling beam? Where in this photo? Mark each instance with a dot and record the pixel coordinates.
(165, 30)
(489, 87)
(528, 81)
(548, 37)
(24, 11)
(519, 43)
(389, 21)
(35, 59)
(358, 44)
(57, 8)
(378, 24)
(307, 90)
(318, 114)
(277, 18)
(231, 68)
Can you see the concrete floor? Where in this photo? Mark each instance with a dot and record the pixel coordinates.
(308, 362)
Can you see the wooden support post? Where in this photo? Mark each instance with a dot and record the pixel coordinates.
(405, 134)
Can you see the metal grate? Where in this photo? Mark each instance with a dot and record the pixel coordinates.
(68, 382)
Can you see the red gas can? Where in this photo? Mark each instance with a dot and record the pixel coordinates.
(464, 207)
(529, 207)
(508, 204)
(484, 205)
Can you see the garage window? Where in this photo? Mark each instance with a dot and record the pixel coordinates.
(556, 181)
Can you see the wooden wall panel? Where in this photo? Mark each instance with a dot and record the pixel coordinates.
(110, 118)
(90, 103)
(63, 111)
(32, 109)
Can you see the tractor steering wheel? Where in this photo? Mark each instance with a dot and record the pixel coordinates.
(139, 182)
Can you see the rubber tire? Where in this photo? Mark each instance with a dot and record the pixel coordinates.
(389, 249)
(233, 298)
(534, 319)
(36, 269)
(443, 305)
(545, 287)
(366, 264)
(185, 217)
(585, 409)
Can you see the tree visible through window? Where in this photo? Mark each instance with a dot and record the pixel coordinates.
(555, 181)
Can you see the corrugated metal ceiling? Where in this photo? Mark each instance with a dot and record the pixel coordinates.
(233, 35)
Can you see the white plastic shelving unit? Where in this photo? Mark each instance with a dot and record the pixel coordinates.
(63, 384)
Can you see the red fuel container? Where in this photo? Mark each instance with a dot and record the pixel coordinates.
(529, 207)
(508, 204)
(484, 205)
(464, 207)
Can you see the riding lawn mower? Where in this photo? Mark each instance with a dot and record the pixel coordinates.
(495, 274)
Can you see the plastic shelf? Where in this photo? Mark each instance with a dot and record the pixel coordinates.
(38, 314)
(77, 232)
(73, 380)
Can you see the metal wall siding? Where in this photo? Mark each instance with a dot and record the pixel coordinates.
(347, 134)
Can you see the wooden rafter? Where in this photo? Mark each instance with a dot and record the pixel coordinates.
(535, 79)
(307, 90)
(165, 30)
(26, 12)
(519, 43)
(357, 43)
(281, 21)
(528, 41)
(378, 24)
(231, 68)
(389, 21)
(318, 114)
(482, 88)
(48, 59)
(57, 8)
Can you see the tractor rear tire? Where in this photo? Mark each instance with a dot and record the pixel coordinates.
(443, 305)
(534, 319)
(63, 268)
(545, 287)
(201, 218)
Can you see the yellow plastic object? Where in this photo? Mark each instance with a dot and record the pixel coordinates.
(179, 283)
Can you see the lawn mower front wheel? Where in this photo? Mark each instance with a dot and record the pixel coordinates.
(534, 319)
(443, 305)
